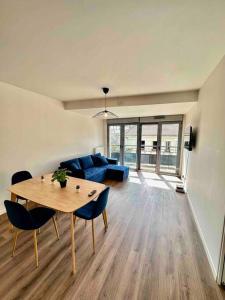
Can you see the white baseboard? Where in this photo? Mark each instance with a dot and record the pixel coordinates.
(214, 271)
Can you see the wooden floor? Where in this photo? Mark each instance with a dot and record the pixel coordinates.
(151, 251)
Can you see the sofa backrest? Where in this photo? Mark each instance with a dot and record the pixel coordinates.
(67, 164)
(86, 162)
(83, 162)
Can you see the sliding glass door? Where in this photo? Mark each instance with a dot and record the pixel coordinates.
(149, 147)
(153, 147)
(160, 147)
(130, 145)
(170, 150)
(114, 142)
(122, 143)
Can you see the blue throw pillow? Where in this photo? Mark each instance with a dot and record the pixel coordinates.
(104, 160)
(75, 166)
(95, 159)
(67, 164)
(100, 161)
(86, 162)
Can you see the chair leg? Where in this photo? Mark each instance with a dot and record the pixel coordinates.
(39, 230)
(14, 242)
(93, 235)
(74, 220)
(105, 219)
(35, 247)
(74, 223)
(56, 227)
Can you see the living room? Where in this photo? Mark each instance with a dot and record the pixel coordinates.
(128, 96)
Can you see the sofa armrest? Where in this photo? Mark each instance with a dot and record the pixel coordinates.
(78, 174)
(112, 161)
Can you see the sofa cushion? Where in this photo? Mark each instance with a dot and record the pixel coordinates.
(101, 161)
(95, 174)
(116, 172)
(92, 171)
(75, 166)
(95, 158)
(67, 164)
(86, 162)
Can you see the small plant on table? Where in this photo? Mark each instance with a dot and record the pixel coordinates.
(61, 175)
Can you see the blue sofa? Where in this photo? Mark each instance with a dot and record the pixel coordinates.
(96, 168)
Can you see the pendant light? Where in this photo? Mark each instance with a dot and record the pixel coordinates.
(105, 114)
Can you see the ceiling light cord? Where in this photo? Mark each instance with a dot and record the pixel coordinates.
(105, 102)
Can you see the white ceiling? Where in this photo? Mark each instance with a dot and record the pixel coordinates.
(143, 110)
(69, 49)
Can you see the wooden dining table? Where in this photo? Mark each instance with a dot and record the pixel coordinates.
(50, 194)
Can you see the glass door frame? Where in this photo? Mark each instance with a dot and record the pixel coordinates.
(157, 148)
(180, 123)
(123, 143)
(108, 141)
(139, 136)
(122, 140)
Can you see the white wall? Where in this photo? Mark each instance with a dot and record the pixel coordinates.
(36, 133)
(206, 169)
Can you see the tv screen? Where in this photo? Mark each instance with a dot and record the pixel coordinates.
(188, 138)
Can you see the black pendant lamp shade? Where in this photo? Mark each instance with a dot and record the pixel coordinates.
(105, 114)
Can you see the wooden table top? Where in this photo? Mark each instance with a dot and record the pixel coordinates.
(50, 194)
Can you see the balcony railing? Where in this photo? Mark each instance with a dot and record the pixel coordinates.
(168, 155)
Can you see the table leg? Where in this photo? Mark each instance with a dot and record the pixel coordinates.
(73, 244)
(13, 197)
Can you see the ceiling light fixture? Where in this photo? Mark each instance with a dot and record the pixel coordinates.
(105, 114)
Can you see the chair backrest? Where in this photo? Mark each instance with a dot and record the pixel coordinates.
(101, 202)
(18, 215)
(20, 176)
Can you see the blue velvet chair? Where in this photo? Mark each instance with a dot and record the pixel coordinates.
(33, 219)
(19, 177)
(92, 210)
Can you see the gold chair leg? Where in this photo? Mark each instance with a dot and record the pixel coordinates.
(105, 219)
(93, 235)
(35, 247)
(74, 219)
(14, 242)
(14, 199)
(39, 230)
(56, 227)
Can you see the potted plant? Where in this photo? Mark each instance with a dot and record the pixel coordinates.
(61, 176)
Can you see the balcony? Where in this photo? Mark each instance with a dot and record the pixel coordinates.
(168, 157)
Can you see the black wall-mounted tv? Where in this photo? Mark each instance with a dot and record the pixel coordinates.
(188, 138)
